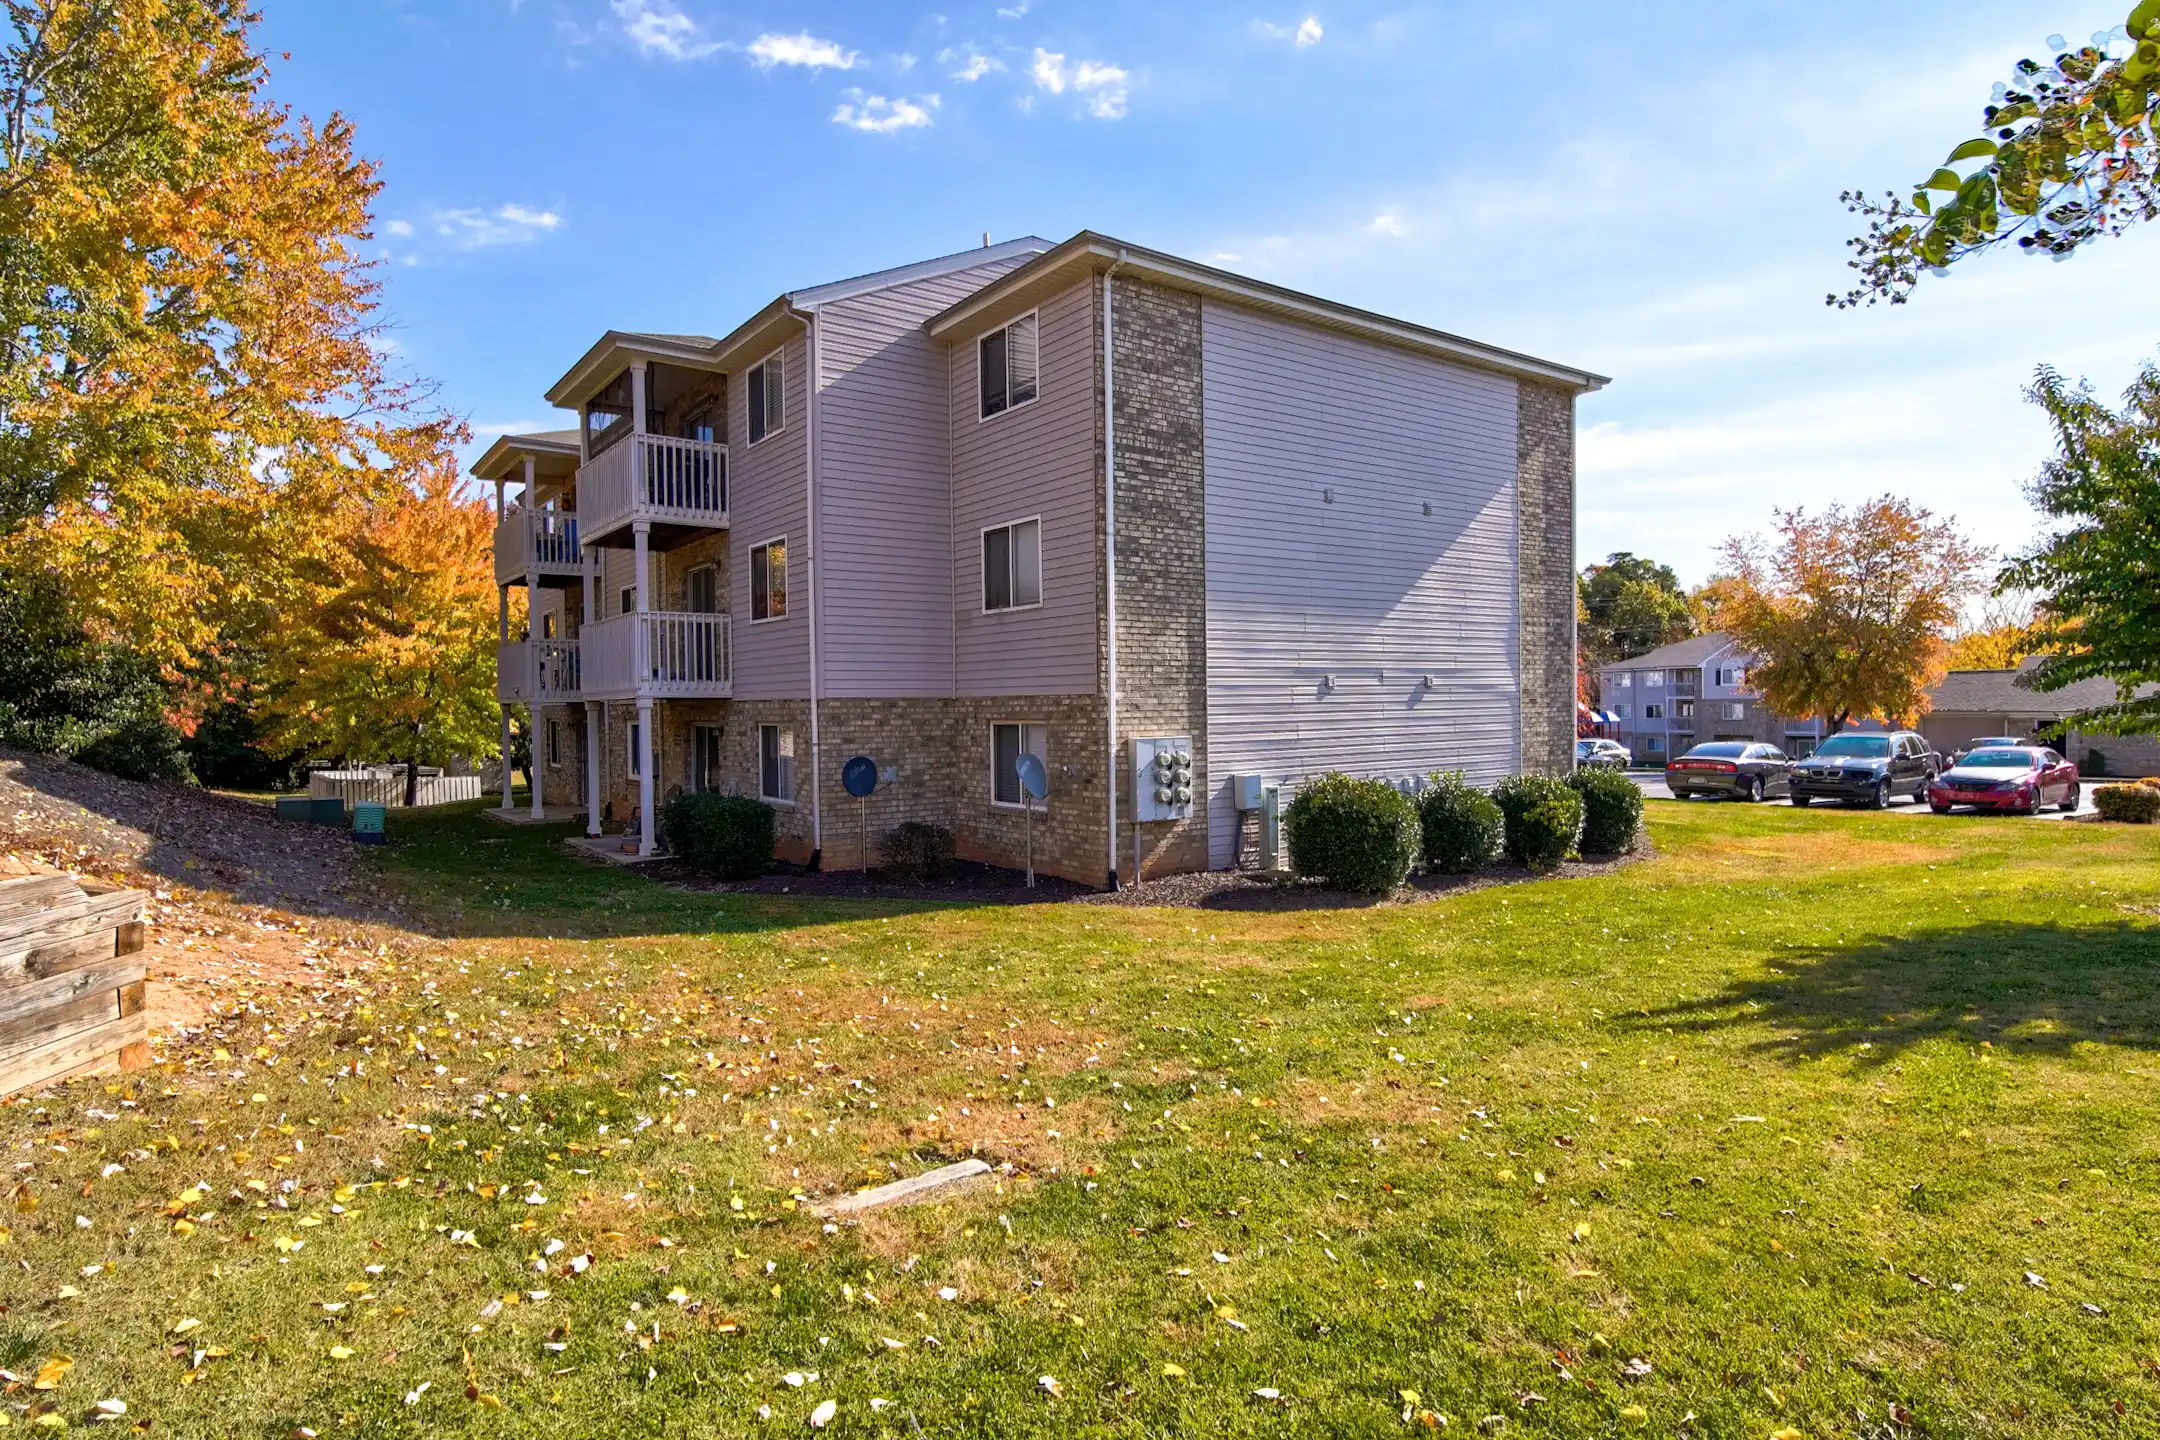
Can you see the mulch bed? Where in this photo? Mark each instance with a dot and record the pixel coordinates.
(970, 883)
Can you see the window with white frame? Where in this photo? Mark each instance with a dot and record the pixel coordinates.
(1623, 681)
(1684, 710)
(1012, 565)
(1654, 679)
(766, 389)
(1655, 744)
(1653, 712)
(768, 580)
(1732, 676)
(1009, 740)
(1620, 711)
(1006, 366)
(1736, 710)
(776, 764)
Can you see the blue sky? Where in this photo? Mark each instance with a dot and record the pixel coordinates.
(1647, 190)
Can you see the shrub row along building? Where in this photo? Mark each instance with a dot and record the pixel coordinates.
(1084, 501)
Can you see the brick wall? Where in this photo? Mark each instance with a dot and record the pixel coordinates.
(1545, 584)
(1161, 555)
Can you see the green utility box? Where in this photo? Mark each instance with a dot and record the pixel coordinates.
(327, 810)
(367, 823)
(295, 807)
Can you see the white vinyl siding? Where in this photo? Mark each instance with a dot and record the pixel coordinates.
(767, 487)
(1040, 460)
(1322, 453)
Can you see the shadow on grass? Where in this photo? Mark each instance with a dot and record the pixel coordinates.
(2041, 988)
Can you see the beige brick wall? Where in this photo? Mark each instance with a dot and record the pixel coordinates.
(1545, 599)
(1161, 556)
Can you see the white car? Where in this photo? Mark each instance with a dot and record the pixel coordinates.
(1602, 754)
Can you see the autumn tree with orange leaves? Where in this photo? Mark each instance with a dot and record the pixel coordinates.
(1849, 612)
(389, 649)
(190, 388)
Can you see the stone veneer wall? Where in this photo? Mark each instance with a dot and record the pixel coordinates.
(1161, 556)
(1545, 575)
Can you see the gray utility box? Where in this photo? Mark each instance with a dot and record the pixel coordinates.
(1246, 790)
(1163, 779)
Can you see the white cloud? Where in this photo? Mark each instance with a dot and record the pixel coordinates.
(804, 49)
(399, 229)
(1102, 87)
(972, 62)
(879, 116)
(1305, 34)
(660, 28)
(1388, 222)
(473, 228)
(1014, 12)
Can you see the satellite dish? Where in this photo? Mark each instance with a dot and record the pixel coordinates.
(859, 776)
(1034, 781)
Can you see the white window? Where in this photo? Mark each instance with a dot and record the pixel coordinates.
(768, 580)
(705, 757)
(1736, 710)
(1012, 565)
(766, 385)
(1008, 742)
(1620, 711)
(1655, 744)
(776, 764)
(1732, 676)
(1685, 710)
(1623, 681)
(1005, 364)
(1654, 679)
(1653, 712)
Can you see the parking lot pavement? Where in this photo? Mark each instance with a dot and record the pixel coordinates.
(1652, 784)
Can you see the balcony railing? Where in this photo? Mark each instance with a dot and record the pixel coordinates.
(655, 478)
(663, 654)
(529, 540)
(538, 672)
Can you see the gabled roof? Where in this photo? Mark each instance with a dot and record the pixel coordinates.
(505, 458)
(1089, 252)
(2010, 692)
(1680, 655)
(619, 347)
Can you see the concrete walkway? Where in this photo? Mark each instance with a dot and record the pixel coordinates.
(549, 815)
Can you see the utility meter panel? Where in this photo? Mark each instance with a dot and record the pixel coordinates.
(1163, 779)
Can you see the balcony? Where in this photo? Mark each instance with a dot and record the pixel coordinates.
(542, 672)
(542, 542)
(660, 655)
(678, 487)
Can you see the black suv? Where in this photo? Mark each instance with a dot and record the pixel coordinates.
(1865, 769)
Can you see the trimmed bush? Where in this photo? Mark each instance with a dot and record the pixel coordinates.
(1612, 811)
(1461, 825)
(1352, 834)
(729, 837)
(2129, 804)
(915, 851)
(1543, 819)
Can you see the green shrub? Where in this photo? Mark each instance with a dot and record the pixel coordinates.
(729, 837)
(915, 851)
(148, 748)
(2129, 804)
(1612, 811)
(1460, 823)
(1543, 819)
(1352, 834)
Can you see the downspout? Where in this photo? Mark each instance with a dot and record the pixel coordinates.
(810, 439)
(1109, 480)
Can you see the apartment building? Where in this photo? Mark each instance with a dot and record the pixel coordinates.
(1085, 501)
(1690, 691)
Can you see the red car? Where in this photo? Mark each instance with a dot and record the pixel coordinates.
(2019, 779)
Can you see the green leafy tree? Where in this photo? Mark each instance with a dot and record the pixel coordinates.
(1629, 605)
(2100, 561)
(2070, 152)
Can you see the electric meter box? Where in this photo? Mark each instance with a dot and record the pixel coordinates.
(1246, 791)
(1164, 780)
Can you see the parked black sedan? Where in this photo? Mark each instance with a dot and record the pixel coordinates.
(1866, 769)
(1740, 769)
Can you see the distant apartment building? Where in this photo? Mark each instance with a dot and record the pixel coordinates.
(1691, 691)
(1084, 501)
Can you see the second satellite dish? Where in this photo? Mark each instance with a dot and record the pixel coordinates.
(1034, 781)
(859, 776)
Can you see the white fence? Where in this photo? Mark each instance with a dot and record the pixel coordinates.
(654, 477)
(385, 785)
(684, 656)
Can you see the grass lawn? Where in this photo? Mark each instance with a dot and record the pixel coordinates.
(1818, 1124)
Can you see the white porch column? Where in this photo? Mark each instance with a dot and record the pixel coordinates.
(637, 397)
(499, 507)
(532, 636)
(645, 776)
(641, 542)
(592, 767)
(506, 805)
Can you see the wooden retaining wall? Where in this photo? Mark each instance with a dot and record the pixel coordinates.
(71, 979)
